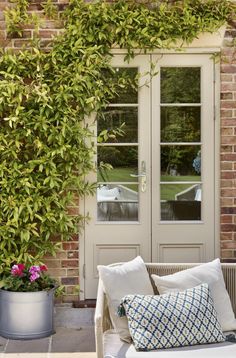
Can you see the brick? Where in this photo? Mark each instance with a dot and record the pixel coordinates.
(228, 122)
(226, 183)
(228, 104)
(70, 263)
(225, 87)
(74, 237)
(70, 246)
(73, 210)
(22, 43)
(228, 68)
(48, 34)
(228, 175)
(3, 6)
(72, 255)
(228, 139)
(69, 280)
(228, 228)
(226, 78)
(227, 254)
(228, 192)
(57, 272)
(228, 157)
(226, 95)
(226, 149)
(70, 298)
(53, 263)
(226, 236)
(226, 219)
(228, 245)
(227, 202)
(52, 24)
(26, 34)
(228, 210)
(225, 113)
(226, 166)
(225, 131)
(72, 272)
(70, 290)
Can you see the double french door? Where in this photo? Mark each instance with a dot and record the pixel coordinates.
(155, 156)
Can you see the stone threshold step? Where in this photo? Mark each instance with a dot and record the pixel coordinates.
(85, 304)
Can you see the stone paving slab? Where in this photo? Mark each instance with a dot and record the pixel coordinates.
(74, 333)
(49, 355)
(65, 340)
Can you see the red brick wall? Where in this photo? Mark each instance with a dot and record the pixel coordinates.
(228, 146)
(65, 266)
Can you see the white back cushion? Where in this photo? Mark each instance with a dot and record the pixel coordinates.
(209, 273)
(129, 278)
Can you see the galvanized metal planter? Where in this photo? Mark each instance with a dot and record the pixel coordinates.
(26, 315)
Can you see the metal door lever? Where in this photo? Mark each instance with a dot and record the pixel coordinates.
(142, 175)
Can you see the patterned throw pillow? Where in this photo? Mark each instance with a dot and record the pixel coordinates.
(172, 320)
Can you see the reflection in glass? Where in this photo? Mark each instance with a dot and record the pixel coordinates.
(116, 163)
(129, 94)
(180, 124)
(117, 202)
(181, 202)
(121, 124)
(179, 162)
(180, 84)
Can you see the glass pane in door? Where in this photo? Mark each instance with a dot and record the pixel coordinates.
(180, 144)
(117, 154)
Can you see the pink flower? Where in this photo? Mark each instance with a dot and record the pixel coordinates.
(17, 270)
(34, 269)
(34, 276)
(43, 268)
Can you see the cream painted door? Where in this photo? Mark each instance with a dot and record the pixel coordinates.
(120, 225)
(158, 199)
(183, 157)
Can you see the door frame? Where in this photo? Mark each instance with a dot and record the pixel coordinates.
(210, 51)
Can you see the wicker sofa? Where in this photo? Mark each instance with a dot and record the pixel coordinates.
(108, 344)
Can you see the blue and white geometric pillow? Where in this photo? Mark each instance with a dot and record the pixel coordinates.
(172, 320)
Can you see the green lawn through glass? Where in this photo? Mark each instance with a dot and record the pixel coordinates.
(168, 191)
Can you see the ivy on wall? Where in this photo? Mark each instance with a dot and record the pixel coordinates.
(45, 150)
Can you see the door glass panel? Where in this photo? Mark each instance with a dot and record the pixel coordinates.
(117, 202)
(180, 163)
(117, 163)
(180, 124)
(118, 125)
(117, 153)
(180, 84)
(181, 201)
(129, 94)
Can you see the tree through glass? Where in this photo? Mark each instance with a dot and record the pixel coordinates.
(180, 148)
(117, 155)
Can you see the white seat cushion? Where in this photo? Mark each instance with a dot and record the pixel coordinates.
(115, 348)
(209, 273)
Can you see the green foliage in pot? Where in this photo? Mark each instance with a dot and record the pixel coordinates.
(45, 96)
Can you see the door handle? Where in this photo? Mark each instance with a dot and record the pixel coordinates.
(143, 176)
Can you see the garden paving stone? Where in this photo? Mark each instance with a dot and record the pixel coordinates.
(28, 346)
(73, 340)
(3, 342)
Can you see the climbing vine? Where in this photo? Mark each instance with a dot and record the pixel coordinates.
(45, 149)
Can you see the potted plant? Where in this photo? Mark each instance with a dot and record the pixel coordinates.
(26, 302)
